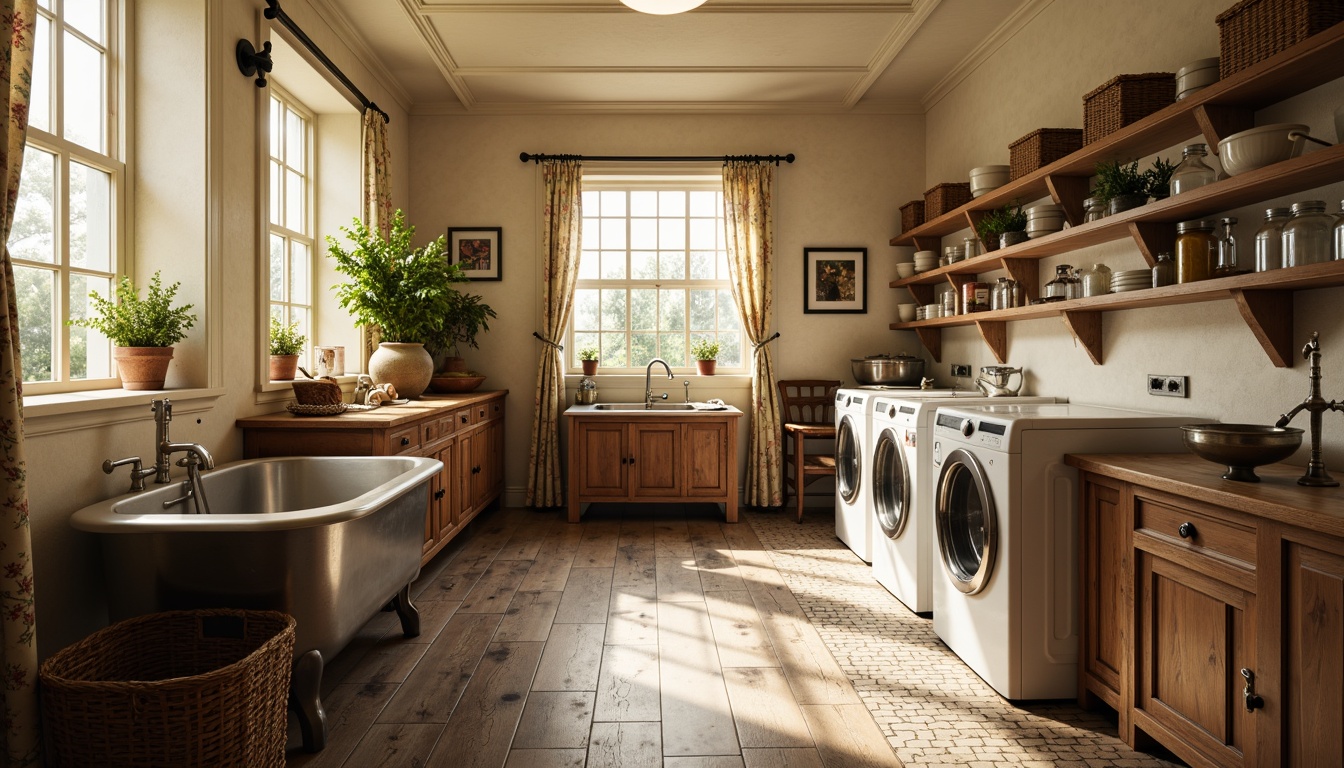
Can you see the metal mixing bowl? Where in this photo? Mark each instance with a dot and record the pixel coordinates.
(1242, 447)
(892, 370)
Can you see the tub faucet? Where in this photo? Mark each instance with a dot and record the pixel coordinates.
(648, 384)
(164, 447)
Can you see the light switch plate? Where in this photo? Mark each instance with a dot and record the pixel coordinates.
(1167, 386)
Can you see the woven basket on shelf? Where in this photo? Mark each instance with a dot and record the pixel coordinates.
(1125, 99)
(317, 391)
(1040, 148)
(1254, 30)
(206, 687)
(912, 215)
(945, 197)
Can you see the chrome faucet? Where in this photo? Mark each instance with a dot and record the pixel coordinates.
(197, 457)
(648, 384)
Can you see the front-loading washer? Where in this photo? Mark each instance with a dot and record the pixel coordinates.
(1006, 522)
(902, 490)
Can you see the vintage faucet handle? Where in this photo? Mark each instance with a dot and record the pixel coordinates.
(1312, 345)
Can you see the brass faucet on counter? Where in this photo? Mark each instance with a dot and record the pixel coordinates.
(1316, 475)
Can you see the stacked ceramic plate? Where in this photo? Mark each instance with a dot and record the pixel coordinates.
(1131, 280)
(929, 312)
(926, 260)
(1044, 219)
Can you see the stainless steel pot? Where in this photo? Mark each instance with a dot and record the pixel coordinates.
(897, 370)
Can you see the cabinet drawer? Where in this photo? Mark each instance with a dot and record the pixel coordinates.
(1194, 530)
(430, 430)
(464, 417)
(404, 440)
(493, 409)
(447, 425)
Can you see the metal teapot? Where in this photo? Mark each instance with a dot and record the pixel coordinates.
(993, 381)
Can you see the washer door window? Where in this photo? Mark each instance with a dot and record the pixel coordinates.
(891, 483)
(967, 531)
(848, 469)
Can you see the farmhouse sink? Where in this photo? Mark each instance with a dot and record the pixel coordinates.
(642, 407)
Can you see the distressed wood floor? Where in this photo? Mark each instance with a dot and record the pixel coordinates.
(643, 636)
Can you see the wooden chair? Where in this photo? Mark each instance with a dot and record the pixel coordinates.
(807, 412)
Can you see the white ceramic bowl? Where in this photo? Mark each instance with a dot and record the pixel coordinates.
(1259, 147)
(905, 269)
(988, 177)
(1196, 75)
(906, 312)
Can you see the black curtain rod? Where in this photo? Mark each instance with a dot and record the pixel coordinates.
(776, 159)
(273, 11)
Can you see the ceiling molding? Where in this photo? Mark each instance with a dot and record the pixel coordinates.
(890, 47)
(345, 32)
(448, 108)
(435, 47)
(550, 70)
(978, 55)
(429, 9)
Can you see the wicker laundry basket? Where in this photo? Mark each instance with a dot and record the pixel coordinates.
(173, 689)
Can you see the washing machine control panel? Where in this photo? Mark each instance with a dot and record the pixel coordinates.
(990, 434)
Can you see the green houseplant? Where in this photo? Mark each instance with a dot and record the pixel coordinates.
(1159, 179)
(993, 225)
(285, 345)
(706, 354)
(588, 357)
(467, 315)
(1121, 185)
(143, 330)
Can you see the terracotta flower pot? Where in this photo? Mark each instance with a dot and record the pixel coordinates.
(283, 367)
(706, 367)
(142, 367)
(406, 366)
(589, 367)
(454, 365)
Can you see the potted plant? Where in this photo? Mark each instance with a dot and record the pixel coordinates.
(406, 292)
(588, 356)
(465, 317)
(1121, 185)
(994, 225)
(285, 343)
(706, 353)
(143, 330)
(1159, 179)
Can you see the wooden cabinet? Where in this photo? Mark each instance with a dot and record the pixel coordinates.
(615, 456)
(465, 432)
(1213, 611)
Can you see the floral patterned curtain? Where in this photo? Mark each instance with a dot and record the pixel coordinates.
(23, 742)
(746, 213)
(377, 188)
(561, 219)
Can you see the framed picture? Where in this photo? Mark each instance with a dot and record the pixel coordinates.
(835, 280)
(477, 250)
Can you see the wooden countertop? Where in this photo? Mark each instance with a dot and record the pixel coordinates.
(382, 418)
(592, 410)
(1276, 497)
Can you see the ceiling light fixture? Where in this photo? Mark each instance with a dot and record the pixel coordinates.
(663, 7)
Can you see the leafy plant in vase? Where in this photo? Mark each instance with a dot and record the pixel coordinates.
(1007, 220)
(285, 344)
(706, 354)
(467, 316)
(143, 330)
(1121, 185)
(588, 357)
(406, 292)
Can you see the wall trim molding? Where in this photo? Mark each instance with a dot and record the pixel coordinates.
(981, 53)
(890, 48)
(448, 108)
(345, 32)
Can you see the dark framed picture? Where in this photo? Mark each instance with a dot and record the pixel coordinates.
(477, 251)
(835, 280)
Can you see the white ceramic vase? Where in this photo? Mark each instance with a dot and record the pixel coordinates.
(406, 366)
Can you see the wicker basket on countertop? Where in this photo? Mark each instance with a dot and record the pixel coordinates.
(945, 197)
(912, 215)
(1125, 99)
(1253, 30)
(1040, 148)
(324, 391)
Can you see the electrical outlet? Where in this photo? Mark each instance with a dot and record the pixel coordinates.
(961, 370)
(1168, 386)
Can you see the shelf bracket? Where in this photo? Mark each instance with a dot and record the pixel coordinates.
(1028, 276)
(922, 292)
(1086, 329)
(1153, 238)
(1218, 122)
(930, 243)
(1270, 317)
(995, 334)
(1069, 191)
(932, 339)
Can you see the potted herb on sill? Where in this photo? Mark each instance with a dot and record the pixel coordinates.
(1009, 220)
(406, 292)
(286, 343)
(1122, 186)
(588, 357)
(706, 353)
(143, 330)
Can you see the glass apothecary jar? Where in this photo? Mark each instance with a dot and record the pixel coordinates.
(1094, 208)
(1065, 285)
(1269, 240)
(1226, 262)
(1096, 280)
(1193, 172)
(1163, 270)
(1339, 229)
(1196, 250)
(1306, 235)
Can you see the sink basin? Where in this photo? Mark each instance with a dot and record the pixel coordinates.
(1242, 447)
(641, 407)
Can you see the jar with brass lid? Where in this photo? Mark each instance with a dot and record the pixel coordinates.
(1196, 250)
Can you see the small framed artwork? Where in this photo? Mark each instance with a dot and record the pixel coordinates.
(477, 251)
(835, 280)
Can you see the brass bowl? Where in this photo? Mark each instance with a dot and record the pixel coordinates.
(1242, 447)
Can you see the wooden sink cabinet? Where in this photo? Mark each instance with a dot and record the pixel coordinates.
(1187, 580)
(465, 432)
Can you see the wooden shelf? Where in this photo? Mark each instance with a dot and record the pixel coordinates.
(1223, 108)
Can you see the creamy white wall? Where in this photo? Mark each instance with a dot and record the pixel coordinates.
(851, 175)
(1036, 80)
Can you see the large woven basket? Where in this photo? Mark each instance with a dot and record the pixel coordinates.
(912, 215)
(1254, 30)
(1040, 148)
(945, 197)
(1125, 99)
(173, 689)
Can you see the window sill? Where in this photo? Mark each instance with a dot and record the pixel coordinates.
(71, 411)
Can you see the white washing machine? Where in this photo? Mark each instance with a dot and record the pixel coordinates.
(902, 490)
(1005, 507)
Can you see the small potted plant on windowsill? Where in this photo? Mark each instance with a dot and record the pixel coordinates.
(588, 357)
(143, 330)
(286, 343)
(706, 353)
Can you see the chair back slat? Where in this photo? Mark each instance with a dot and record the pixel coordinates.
(807, 401)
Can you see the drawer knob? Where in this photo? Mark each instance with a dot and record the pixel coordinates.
(1248, 694)
(632, 459)
(464, 419)
(439, 493)
(405, 441)
(1186, 530)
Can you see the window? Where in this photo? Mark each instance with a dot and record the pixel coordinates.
(653, 275)
(68, 219)
(290, 266)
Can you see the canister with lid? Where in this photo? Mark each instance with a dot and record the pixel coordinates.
(1196, 250)
(1095, 208)
(975, 297)
(970, 247)
(1306, 236)
(1096, 280)
(1269, 240)
(1162, 271)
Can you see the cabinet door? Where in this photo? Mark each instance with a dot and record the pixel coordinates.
(1107, 598)
(482, 477)
(466, 502)
(655, 460)
(446, 515)
(432, 513)
(705, 445)
(1195, 636)
(602, 458)
(1312, 647)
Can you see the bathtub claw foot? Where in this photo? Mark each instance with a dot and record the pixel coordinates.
(407, 612)
(305, 696)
